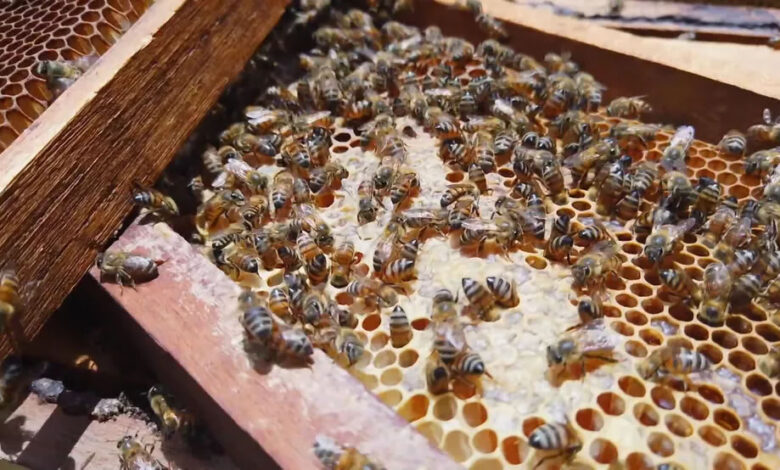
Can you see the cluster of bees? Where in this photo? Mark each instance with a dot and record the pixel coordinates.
(263, 185)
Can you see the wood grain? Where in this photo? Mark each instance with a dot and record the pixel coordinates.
(39, 436)
(190, 313)
(712, 86)
(66, 181)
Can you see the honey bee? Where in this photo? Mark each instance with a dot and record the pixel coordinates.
(600, 260)
(681, 285)
(767, 133)
(291, 343)
(717, 225)
(464, 208)
(279, 303)
(665, 240)
(673, 361)
(289, 257)
(558, 438)
(504, 291)
(674, 155)
(317, 269)
(217, 206)
(254, 211)
(449, 340)
(468, 366)
(398, 271)
(628, 206)
(717, 284)
(502, 229)
(643, 177)
(310, 220)
(371, 290)
(589, 308)
(240, 258)
(456, 191)
(653, 217)
(335, 457)
(559, 247)
(770, 364)
(123, 267)
(481, 299)
(486, 23)
(314, 307)
(591, 159)
(746, 288)
(154, 201)
(504, 142)
(437, 376)
(402, 187)
(261, 120)
(762, 161)
(10, 301)
(11, 374)
(628, 107)
(553, 179)
(366, 203)
(595, 233)
(350, 346)
(325, 177)
(627, 134)
(307, 248)
(169, 417)
(444, 308)
(567, 351)
(400, 328)
(134, 456)
(343, 259)
(733, 143)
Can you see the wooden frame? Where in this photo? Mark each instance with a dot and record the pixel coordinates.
(186, 320)
(65, 183)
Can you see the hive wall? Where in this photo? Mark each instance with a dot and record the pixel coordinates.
(36, 30)
(727, 423)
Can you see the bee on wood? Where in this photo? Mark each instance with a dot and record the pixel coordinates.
(675, 361)
(170, 418)
(400, 328)
(127, 268)
(628, 107)
(279, 303)
(767, 133)
(480, 298)
(10, 300)
(504, 291)
(134, 456)
(335, 457)
(154, 201)
(560, 439)
(486, 23)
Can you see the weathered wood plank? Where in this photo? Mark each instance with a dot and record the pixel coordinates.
(65, 183)
(190, 313)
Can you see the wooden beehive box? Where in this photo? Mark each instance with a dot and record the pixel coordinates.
(143, 109)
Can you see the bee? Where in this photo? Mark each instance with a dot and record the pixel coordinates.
(567, 351)
(595, 233)
(628, 206)
(558, 438)
(628, 107)
(673, 361)
(366, 202)
(468, 365)
(279, 303)
(464, 208)
(350, 346)
(743, 261)
(600, 260)
(486, 23)
(269, 144)
(409, 250)
(485, 159)
(398, 271)
(467, 103)
(560, 93)
(123, 267)
(289, 257)
(643, 177)
(154, 201)
(449, 340)
(457, 191)
(400, 329)
(767, 133)
(447, 128)
(627, 134)
(290, 343)
(254, 211)
(444, 308)
(559, 247)
(169, 417)
(502, 229)
(328, 89)
(665, 240)
(505, 292)
(343, 259)
(762, 161)
(402, 187)
(674, 155)
(553, 179)
(437, 376)
(317, 269)
(717, 225)
(589, 308)
(307, 248)
(680, 284)
(477, 177)
(745, 289)
(11, 374)
(717, 284)
(733, 143)
(10, 301)
(504, 142)
(480, 298)
(217, 206)
(258, 323)
(261, 120)
(653, 217)
(335, 457)
(314, 307)
(770, 364)
(591, 159)
(134, 456)
(325, 177)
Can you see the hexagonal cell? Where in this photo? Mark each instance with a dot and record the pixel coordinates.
(726, 461)
(712, 435)
(474, 414)
(726, 419)
(678, 425)
(771, 407)
(390, 397)
(514, 450)
(391, 376)
(414, 408)
(660, 444)
(663, 397)
(432, 431)
(589, 419)
(694, 408)
(744, 446)
(646, 414)
(611, 403)
(485, 441)
(456, 444)
(742, 361)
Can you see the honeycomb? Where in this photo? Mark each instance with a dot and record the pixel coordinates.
(37, 30)
(728, 421)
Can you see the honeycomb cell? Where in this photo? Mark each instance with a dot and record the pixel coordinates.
(414, 408)
(646, 414)
(514, 450)
(726, 419)
(744, 446)
(485, 441)
(771, 408)
(536, 262)
(384, 359)
(379, 341)
(630, 273)
(642, 290)
(456, 444)
(603, 451)
(696, 332)
(622, 328)
(681, 312)
(391, 376)
(632, 248)
(754, 345)
(611, 404)
(632, 386)
(420, 324)
(432, 431)
(474, 414)
(739, 191)
(738, 324)
(589, 419)
(726, 461)
(372, 322)
(713, 353)
(651, 336)
(769, 332)
(742, 361)
(445, 408)
(391, 397)
(408, 358)
(678, 425)
(652, 306)
(639, 461)
(662, 396)
(626, 300)
(635, 348)
(487, 464)
(660, 444)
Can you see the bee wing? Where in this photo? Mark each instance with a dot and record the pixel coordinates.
(476, 224)
(257, 112)
(682, 137)
(767, 116)
(673, 164)
(453, 332)
(238, 167)
(676, 231)
(717, 278)
(605, 247)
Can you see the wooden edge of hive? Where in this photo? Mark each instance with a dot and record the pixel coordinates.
(189, 314)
